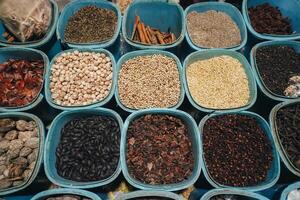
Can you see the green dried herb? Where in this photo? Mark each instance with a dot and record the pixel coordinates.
(91, 24)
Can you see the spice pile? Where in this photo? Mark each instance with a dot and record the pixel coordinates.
(148, 35)
(288, 127)
(149, 81)
(19, 144)
(91, 24)
(230, 197)
(68, 197)
(159, 150)
(80, 78)
(213, 29)
(294, 195)
(279, 68)
(268, 19)
(236, 150)
(88, 149)
(218, 83)
(20, 82)
(123, 4)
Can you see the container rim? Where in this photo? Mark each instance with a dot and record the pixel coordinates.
(288, 189)
(90, 45)
(39, 96)
(150, 193)
(220, 52)
(168, 187)
(264, 36)
(276, 158)
(159, 47)
(47, 37)
(224, 4)
(62, 191)
(92, 105)
(51, 134)
(274, 130)
(39, 160)
(134, 54)
(233, 191)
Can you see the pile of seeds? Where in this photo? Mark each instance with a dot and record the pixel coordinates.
(123, 4)
(149, 81)
(80, 78)
(218, 83)
(159, 150)
(68, 197)
(288, 127)
(236, 150)
(91, 24)
(19, 145)
(20, 82)
(213, 29)
(88, 149)
(279, 68)
(268, 19)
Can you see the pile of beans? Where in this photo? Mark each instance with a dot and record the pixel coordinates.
(236, 150)
(149, 81)
(268, 19)
(159, 150)
(80, 78)
(218, 83)
(88, 149)
(20, 81)
(19, 145)
(68, 197)
(279, 67)
(91, 24)
(213, 29)
(288, 127)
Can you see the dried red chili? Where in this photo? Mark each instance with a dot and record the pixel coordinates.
(20, 81)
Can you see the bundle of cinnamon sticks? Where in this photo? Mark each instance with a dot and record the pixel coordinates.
(147, 35)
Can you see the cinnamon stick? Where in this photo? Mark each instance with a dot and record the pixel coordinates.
(136, 22)
(173, 37)
(145, 34)
(140, 32)
(159, 37)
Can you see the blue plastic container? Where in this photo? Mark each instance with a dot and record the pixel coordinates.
(39, 160)
(259, 80)
(287, 8)
(207, 54)
(134, 54)
(229, 9)
(196, 143)
(149, 194)
(26, 54)
(164, 15)
(71, 8)
(53, 139)
(65, 191)
(93, 105)
(288, 189)
(242, 193)
(274, 172)
(275, 134)
(43, 42)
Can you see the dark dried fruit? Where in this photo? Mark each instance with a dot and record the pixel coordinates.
(159, 150)
(88, 149)
(236, 150)
(268, 19)
(20, 82)
(231, 197)
(288, 126)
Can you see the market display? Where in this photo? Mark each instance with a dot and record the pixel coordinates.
(279, 68)
(88, 149)
(91, 24)
(19, 145)
(213, 29)
(218, 83)
(151, 141)
(20, 82)
(149, 81)
(80, 78)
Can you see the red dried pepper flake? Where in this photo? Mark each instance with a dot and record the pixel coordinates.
(20, 81)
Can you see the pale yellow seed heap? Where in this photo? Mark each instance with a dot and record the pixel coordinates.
(218, 83)
(149, 81)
